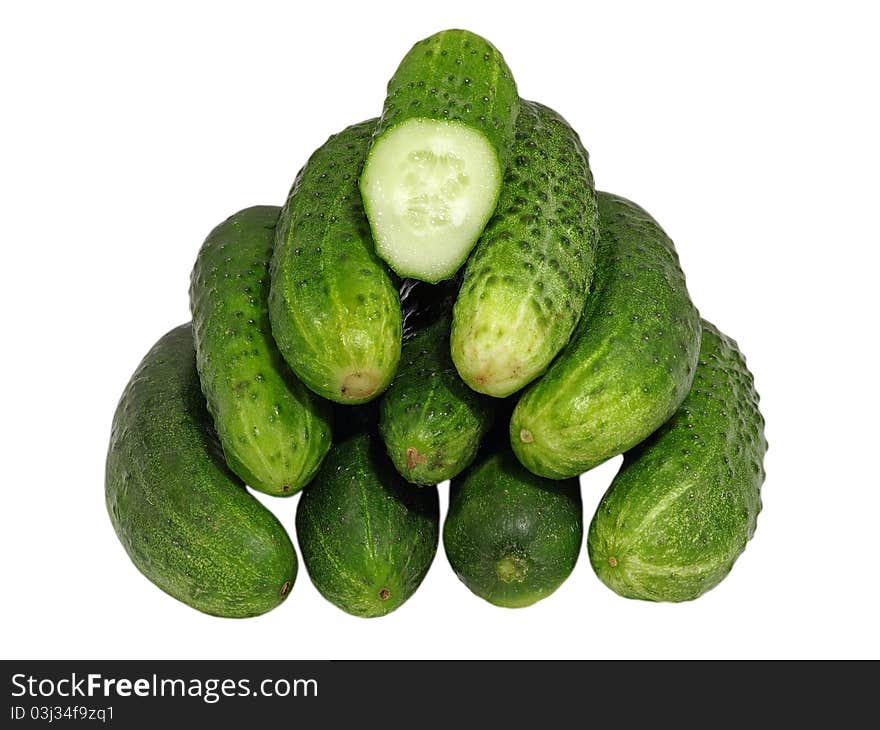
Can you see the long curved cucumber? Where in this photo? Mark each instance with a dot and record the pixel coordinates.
(434, 171)
(630, 362)
(686, 501)
(333, 304)
(185, 520)
(274, 431)
(529, 277)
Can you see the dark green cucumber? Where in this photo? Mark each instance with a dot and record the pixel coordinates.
(686, 501)
(333, 304)
(274, 431)
(434, 172)
(511, 536)
(430, 421)
(630, 362)
(528, 280)
(184, 518)
(367, 537)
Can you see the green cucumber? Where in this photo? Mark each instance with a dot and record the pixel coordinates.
(185, 520)
(528, 280)
(430, 421)
(686, 501)
(434, 171)
(630, 362)
(333, 304)
(274, 431)
(511, 536)
(367, 537)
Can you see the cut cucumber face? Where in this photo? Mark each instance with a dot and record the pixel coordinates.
(429, 188)
(433, 174)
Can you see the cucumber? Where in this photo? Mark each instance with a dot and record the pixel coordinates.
(630, 362)
(274, 431)
(333, 304)
(434, 171)
(686, 501)
(430, 421)
(527, 282)
(511, 536)
(367, 537)
(185, 519)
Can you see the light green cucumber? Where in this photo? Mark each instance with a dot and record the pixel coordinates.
(435, 168)
(333, 304)
(630, 361)
(528, 280)
(274, 431)
(686, 501)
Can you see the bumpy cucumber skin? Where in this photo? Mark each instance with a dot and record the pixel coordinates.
(431, 422)
(274, 431)
(184, 518)
(367, 537)
(630, 361)
(686, 501)
(333, 304)
(455, 76)
(458, 77)
(511, 536)
(528, 280)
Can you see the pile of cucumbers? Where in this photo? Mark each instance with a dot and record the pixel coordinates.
(443, 296)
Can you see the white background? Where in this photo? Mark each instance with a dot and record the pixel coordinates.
(750, 133)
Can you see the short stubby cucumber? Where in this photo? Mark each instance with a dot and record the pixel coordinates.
(367, 537)
(430, 421)
(333, 304)
(511, 536)
(630, 361)
(435, 168)
(686, 501)
(274, 431)
(186, 521)
(528, 280)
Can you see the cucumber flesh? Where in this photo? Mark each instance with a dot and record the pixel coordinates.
(429, 188)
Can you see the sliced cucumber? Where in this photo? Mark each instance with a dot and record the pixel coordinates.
(433, 174)
(430, 188)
